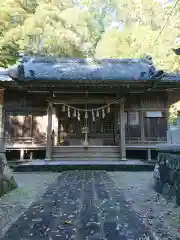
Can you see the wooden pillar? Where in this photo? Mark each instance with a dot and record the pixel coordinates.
(168, 131)
(142, 126)
(31, 156)
(22, 154)
(49, 131)
(122, 132)
(2, 142)
(1, 113)
(149, 154)
(55, 125)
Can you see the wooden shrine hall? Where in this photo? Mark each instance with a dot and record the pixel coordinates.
(85, 108)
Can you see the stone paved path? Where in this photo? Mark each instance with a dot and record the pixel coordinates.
(80, 205)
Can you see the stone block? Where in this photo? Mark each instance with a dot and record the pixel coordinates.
(7, 180)
(166, 175)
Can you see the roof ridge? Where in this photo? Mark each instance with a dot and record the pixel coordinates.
(51, 59)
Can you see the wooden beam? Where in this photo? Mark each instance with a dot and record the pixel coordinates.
(40, 91)
(81, 101)
(27, 109)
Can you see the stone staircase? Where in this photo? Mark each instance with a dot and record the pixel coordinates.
(93, 153)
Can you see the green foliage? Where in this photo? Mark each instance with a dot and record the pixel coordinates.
(173, 112)
(84, 28)
(90, 28)
(9, 54)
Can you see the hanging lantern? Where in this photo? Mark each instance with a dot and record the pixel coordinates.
(86, 115)
(97, 113)
(63, 108)
(103, 113)
(69, 112)
(78, 116)
(93, 117)
(74, 114)
(108, 109)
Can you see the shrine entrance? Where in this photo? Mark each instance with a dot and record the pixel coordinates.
(95, 125)
(86, 128)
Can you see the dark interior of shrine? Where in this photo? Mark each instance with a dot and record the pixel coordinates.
(13, 155)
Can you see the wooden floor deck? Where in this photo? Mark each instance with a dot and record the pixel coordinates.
(58, 166)
(89, 162)
(43, 146)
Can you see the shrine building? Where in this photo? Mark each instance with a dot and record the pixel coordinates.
(59, 109)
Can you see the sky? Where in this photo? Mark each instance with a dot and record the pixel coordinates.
(165, 1)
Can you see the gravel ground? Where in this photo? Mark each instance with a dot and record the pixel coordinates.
(83, 205)
(31, 188)
(160, 216)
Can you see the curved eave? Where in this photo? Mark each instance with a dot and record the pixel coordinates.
(131, 83)
(169, 83)
(78, 81)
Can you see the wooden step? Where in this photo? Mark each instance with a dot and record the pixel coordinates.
(78, 153)
(81, 149)
(87, 154)
(85, 159)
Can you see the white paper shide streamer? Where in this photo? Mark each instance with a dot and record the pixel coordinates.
(63, 108)
(69, 115)
(103, 113)
(94, 112)
(78, 116)
(74, 114)
(86, 115)
(93, 116)
(108, 109)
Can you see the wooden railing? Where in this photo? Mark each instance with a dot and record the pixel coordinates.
(25, 140)
(145, 140)
(43, 140)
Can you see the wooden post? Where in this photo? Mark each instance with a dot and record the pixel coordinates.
(142, 126)
(149, 154)
(55, 125)
(49, 131)
(168, 132)
(2, 142)
(1, 112)
(22, 154)
(31, 156)
(122, 132)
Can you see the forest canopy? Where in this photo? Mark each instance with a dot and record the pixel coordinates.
(93, 29)
(89, 28)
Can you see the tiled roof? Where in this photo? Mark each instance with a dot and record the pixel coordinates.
(172, 77)
(49, 68)
(4, 75)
